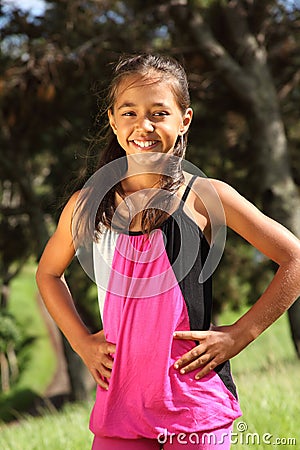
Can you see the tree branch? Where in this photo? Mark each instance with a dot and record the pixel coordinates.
(232, 73)
(237, 19)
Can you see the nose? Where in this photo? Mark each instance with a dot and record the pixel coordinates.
(144, 124)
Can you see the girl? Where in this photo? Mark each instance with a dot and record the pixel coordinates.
(163, 373)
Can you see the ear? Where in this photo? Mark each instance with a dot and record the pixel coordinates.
(186, 121)
(112, 121)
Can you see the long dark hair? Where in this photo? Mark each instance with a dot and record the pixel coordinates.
(164, 68)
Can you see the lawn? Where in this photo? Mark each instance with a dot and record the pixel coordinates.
(267, 376)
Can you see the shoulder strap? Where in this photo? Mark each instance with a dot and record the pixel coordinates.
(187, 189)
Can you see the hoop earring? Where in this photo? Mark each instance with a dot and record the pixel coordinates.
(182, 141)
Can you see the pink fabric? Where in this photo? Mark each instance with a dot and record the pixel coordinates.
(216, 440)
(219, 439)
(146, 395)
(125, 444)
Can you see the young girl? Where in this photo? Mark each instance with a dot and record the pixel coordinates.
(162, 370)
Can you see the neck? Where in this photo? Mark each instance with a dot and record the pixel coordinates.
(144, 171)
(135, 183)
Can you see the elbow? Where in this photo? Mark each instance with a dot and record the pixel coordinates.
(296, 256)
(38, 276)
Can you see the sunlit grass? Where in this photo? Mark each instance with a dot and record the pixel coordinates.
(67, 430)
(268, 381)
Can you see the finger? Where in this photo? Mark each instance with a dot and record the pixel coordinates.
(199, 362)
(107, 361)
(99, 379)
(206, 369)
(104, 371)
(190, 356)
(190, 335)
(110, 348)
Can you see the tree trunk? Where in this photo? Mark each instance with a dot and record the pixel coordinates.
(80, 379)
(250, 81)
(5, 386)
(4, 295)
(12, 361)
(280, 195)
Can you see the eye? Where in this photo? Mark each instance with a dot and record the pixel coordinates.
(128, 113)
(161, 113)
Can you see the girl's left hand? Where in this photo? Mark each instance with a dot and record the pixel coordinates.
(215, 346)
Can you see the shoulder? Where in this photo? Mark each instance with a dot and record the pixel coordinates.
(267, 235)
(70, 206)
(67, 214)
(209, 193)
(225, 194)
(60, 248)
(205, 185)
(223, 202)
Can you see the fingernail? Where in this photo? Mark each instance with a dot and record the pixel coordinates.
(176, 366)
(182, 371)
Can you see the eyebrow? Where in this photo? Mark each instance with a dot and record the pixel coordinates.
(131, 105)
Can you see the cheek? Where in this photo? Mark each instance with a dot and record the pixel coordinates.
(171, 132)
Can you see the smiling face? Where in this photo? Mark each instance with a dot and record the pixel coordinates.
(145, 115)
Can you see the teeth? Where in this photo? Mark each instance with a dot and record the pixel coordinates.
(144, 144)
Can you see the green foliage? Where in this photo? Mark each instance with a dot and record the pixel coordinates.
(10, 338)
(9, 331)
(36, 357)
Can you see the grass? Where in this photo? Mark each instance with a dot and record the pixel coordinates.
(267, 376)
(66, 431)
(39, 356)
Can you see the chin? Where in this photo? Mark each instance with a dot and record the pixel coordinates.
(154, 162)
(146, 159)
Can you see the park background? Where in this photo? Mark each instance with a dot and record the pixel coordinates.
(243, 64)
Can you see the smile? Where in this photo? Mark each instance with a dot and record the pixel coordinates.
(144, 144)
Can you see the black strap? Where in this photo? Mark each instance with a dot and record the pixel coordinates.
(187, 189)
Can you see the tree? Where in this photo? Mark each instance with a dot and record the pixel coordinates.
(9, 340)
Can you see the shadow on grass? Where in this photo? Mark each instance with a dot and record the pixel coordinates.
(23, 402)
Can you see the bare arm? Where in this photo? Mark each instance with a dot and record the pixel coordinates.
(278, 244)
(58, 253)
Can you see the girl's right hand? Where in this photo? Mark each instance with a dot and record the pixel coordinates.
(97, 353)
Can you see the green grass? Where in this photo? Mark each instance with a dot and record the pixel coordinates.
(66, 431)
(268, 381)
(40, 361)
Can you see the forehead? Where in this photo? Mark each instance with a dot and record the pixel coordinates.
(152, 86)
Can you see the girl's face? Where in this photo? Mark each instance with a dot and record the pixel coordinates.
(146, 116)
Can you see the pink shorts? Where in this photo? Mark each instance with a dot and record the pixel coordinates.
(209, 440)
